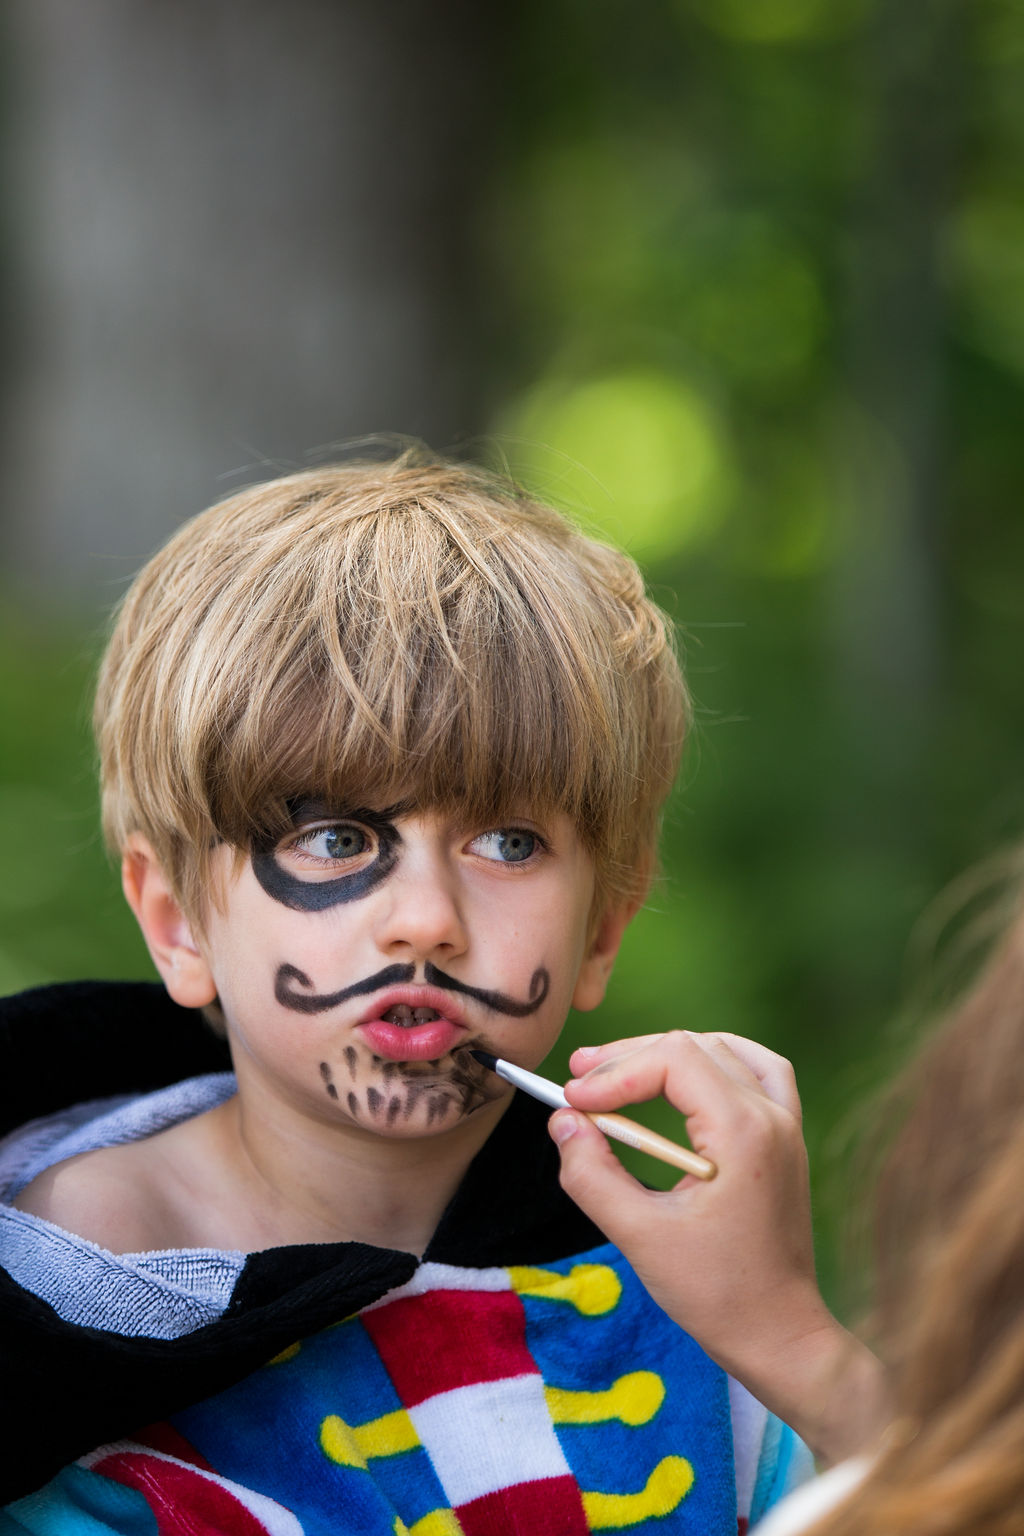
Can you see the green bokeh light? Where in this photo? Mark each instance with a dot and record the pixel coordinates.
(638, 454)
(757, 307)
(988, 255)
(776, 21)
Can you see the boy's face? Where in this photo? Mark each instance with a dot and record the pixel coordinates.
(361, 958)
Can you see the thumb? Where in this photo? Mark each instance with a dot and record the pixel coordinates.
(592, 1175)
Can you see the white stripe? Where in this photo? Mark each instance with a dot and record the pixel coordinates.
(491, 1435)
(446, 1277)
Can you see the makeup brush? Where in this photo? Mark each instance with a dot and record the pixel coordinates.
(615, 1126)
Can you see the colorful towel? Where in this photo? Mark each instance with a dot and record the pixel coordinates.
(548, 1401)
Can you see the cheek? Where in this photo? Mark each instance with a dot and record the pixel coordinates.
(263, 936)
(527, 1041)
(246, 976)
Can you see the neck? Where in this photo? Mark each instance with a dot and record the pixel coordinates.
(302, 1181)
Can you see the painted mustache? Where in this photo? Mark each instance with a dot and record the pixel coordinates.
(292, 988)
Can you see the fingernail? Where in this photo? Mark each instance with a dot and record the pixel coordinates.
(562, 1127)
(586, 1050)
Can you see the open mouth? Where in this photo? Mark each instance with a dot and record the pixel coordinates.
(407, 1018)
(411, 1030)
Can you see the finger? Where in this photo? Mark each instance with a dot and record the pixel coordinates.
(678, 1068)
(733, 1065)
(745, 1061)
(772, 1072)
(586, 1057)
(640, 1070)
(593, 1177)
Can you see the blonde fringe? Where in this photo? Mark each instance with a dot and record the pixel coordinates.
(368, 631)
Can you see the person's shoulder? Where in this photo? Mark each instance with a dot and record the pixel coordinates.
(110, 1196)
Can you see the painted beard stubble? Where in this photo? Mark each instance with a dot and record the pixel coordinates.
(465, 1084)
(405, 1085)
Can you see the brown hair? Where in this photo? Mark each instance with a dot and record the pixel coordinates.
(950, 1277)
(367, 631)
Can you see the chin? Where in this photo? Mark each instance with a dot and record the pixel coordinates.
(436, 1118)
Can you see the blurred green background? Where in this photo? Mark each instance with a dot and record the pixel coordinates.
(741, 284)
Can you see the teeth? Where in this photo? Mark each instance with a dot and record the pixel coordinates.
(406, 1017)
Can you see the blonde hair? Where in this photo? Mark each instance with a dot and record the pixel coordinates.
(950, 1303)
(369, 631)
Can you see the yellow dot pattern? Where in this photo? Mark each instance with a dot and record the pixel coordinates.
(592, 1289)
(352, 1445)
(634, 1399)
(666, 1489)
(440, 1522)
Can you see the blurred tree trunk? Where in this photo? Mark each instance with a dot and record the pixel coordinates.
(887, 610)
(239, 232)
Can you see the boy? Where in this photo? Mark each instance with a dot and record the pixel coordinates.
(383, 751)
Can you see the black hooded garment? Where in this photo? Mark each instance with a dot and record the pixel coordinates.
(69, 1043)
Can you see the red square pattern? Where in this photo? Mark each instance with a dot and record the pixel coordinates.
(551, 1507)
(447, 1339)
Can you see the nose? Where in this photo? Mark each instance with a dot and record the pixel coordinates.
(420, 911)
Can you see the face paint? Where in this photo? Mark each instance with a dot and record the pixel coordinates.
(463, 1086)
(499, 1002)
(389, 1020)
(470, 1078)
(318, 895)
(289, 977)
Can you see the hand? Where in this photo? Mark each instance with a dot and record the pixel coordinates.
(730, 1259)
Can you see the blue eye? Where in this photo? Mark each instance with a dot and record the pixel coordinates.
(345, 842)
(508, 845)
(335, 844)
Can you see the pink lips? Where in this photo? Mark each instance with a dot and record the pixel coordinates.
(417, 1042)
(422, 1042)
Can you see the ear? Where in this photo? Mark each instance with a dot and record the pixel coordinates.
(592, 981)
(176, 955)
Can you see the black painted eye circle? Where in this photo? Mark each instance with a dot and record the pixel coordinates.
(329, 863)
